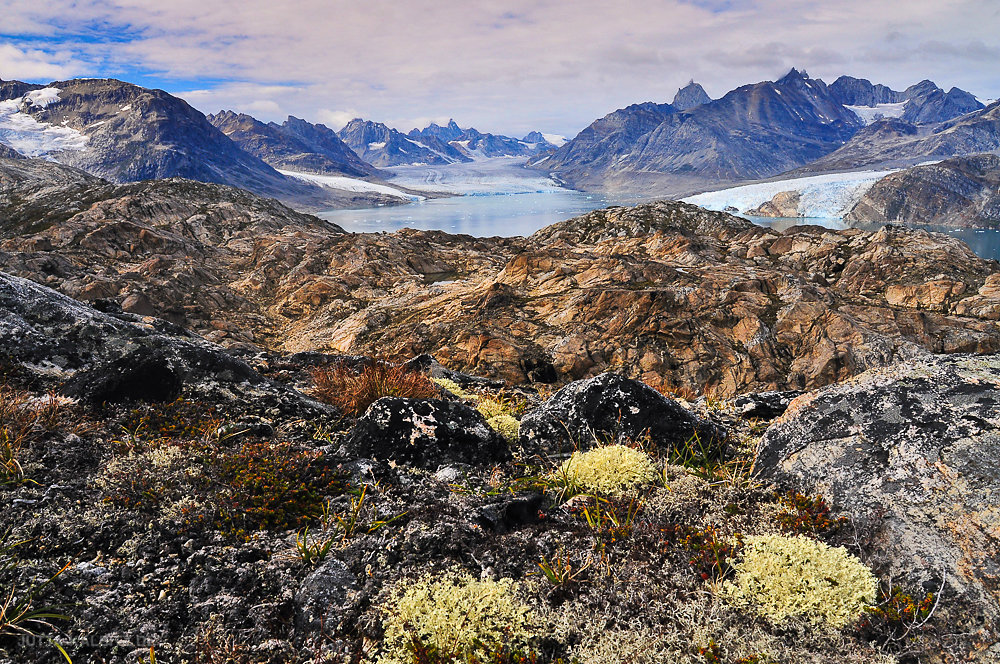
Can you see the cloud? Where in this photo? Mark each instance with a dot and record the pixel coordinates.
(505, 66)
(32, 65)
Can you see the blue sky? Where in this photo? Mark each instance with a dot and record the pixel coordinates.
(513, 66)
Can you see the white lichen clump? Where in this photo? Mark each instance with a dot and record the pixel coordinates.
(781, 577)
(457, 614)
(610, 470)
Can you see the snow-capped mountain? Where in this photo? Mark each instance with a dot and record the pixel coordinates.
(125, 133)
(381, 145)
(753, 132)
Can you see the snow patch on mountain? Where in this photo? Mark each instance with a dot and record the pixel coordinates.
(30, 137)
(870, 114)
(555, 139)
(820, 196)
(351, 184)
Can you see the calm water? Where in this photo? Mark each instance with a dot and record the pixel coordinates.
(480, 215)
(502, 198)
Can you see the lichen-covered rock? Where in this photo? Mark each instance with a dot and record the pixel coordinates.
(912, 452)
(426, 433)
(610, 408)
(322, 595)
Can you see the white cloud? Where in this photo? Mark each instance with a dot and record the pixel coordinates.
(517, 65)
(33, 65)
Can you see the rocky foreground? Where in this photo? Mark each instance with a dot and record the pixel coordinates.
(684, 299)
(206, 505)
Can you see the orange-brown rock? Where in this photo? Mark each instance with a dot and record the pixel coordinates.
(680, 297)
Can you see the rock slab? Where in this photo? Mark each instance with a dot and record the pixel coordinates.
(912, 451)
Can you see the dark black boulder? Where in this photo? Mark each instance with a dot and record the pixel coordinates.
(426, 433)
(611, 408)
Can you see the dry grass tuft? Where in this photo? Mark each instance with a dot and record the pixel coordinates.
(354, 391)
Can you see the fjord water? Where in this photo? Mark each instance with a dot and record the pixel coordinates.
(500, 197)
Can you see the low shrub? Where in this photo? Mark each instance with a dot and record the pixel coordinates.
(238, 489)
(898, 617)
(781, 577)
(454, 614)
(711, 555)
(354, 391)
(808, 515)
(610, 470)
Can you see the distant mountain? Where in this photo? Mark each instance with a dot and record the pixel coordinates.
(689, 96)
(753, 132)
(125, 133)
(471, 143)
(295, 145)
(962, 191)
(851, 91)
(896, 143)
(381, 145)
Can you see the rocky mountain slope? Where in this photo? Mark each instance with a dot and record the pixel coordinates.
(801, 308)
(125, 133)
(689, 96)
(381, 145)
(896, 143)
(294, 145)
(169, 499)
(754, 132)
(964, 191)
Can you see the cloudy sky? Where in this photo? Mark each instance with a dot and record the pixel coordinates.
(508, 67)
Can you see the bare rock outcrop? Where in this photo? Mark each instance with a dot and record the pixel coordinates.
(783, 204)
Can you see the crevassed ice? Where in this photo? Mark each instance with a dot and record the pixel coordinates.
(350, 184)
(30, 137)
(820, 196)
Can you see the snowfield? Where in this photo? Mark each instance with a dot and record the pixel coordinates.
(351, 184)
(821, 196)
(30, 137)
(870, 114)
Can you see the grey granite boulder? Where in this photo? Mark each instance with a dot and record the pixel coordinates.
(912, 454)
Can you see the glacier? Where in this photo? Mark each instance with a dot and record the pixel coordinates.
(351, 184)
(828, 196)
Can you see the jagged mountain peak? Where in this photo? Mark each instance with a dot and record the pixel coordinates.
(690, 96)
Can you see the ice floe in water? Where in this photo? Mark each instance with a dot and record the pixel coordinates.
(30, 137)
(820, 196)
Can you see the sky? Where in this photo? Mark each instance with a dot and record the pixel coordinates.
(505, 67)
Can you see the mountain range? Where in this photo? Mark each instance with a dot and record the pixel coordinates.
(765, 129)
(382, 146)
(122, 133)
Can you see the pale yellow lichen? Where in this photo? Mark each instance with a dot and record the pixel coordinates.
(505, 425)
(781, 576)
(457, 614)
(610, 470)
